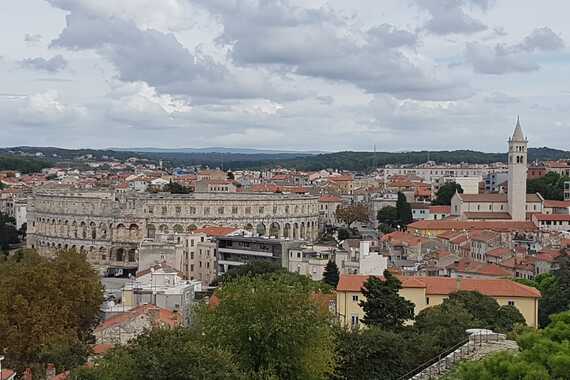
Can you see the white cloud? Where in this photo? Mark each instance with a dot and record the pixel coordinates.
(48, 108)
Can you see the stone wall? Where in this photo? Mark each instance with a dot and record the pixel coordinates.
(110, 226)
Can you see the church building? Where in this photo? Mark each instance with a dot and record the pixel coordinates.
(516, 205)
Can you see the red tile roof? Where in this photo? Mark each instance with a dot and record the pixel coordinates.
(216, 231)
(488, 215)
(499, 252)
(99, 349)
(447, 285)
(440, 209)
(495, 198)
(164, 316)
(548, 255)
(556, 204)
(330, 198)
(552, 217)
(497, 226)
(7, 374)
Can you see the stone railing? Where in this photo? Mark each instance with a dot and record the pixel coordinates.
(479, 344)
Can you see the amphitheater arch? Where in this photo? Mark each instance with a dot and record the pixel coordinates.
(178, 229)
(260, 229)
(274, 230)
(151, 231)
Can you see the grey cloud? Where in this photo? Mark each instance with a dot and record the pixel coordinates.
(503, 59)
(157, 58)
(32, 38)
(542, 39)
(501, 98)
(449, 16)
(317, 43)
(52, 65)
(497, 60)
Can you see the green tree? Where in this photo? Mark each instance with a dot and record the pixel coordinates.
(446, 192)
(254, 268)
(384, 307)
(230, 175)
(372, 353)
(176, 188)
(343, 234)
(508, 317)
(551, 186)
(404, 210)
(169, 354)
(446, 323)
(352, 213)
(274, 324)
(47, 304)
(331, 274)
(388, 215)
(543, 355)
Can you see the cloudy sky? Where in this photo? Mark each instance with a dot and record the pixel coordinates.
(284, 74)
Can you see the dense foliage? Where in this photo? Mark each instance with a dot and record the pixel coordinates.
(446, 192)
(176, 188)
(173, 354)
(388, 216)
(48, 309)
(8, 232)
(23, 165)
(404, 210)
(352, 213)
(544, 355)
(551, 186)
(383, 306)
(273, 324)
(331, 274)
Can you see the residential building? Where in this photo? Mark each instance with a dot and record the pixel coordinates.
(425, 292)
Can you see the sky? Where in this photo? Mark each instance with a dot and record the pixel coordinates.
(284, 74)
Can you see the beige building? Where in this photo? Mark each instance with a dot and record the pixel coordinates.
(425, 292)
(110, 227)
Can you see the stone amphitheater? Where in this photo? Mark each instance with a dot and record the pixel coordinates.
(110, 226)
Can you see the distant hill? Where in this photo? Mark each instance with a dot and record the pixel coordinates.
(356, 161)
(213, 150)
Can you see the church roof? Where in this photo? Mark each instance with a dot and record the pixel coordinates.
(518, 134)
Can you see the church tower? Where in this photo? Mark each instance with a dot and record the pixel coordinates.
(517, 174)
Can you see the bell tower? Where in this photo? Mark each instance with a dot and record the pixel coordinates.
(518, 152)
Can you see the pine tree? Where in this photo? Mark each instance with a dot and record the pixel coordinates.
(384, 307)
(404, 210)
(331, 275)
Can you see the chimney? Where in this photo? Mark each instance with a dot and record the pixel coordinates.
(27, 374)
(50, 371)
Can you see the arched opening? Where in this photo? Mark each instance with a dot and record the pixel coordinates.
(178, 229)
(287, 231)
(120, 254)
(274, 230)
(93, 228)
(151, 231)
(191, 228)
(132, 255)
(102, 254)
(302, 231)
(261, 229)
(295, 231)
(163, 228)
(249, 227)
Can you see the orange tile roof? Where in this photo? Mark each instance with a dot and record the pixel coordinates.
(339, 178)
(330, 198)
(440, 209)
(488, 215)
(499, 252)
(447, 285)
(497, 226)
(484, 236)
(216, 230)
(99, 349)
(495, 198)
(556, 204)
(400, 237)
(552, 217)
(7, 374)
(548, 255)
(264, 188)
(165, 316)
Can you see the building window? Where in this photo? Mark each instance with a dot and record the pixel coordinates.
(220, 211)
(354, 320)
(191, 255)
(234, 210)
(164, 210)
(192, 210)
(511, 303)
(248, 210)
(206, 211)
(191, 267)
(261, 210)
(178, 210)
(355, 298)
(427, 300)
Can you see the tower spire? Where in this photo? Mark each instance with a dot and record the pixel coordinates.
(518, 135)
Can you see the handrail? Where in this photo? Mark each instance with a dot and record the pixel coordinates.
(419, 369)
(433, 360)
